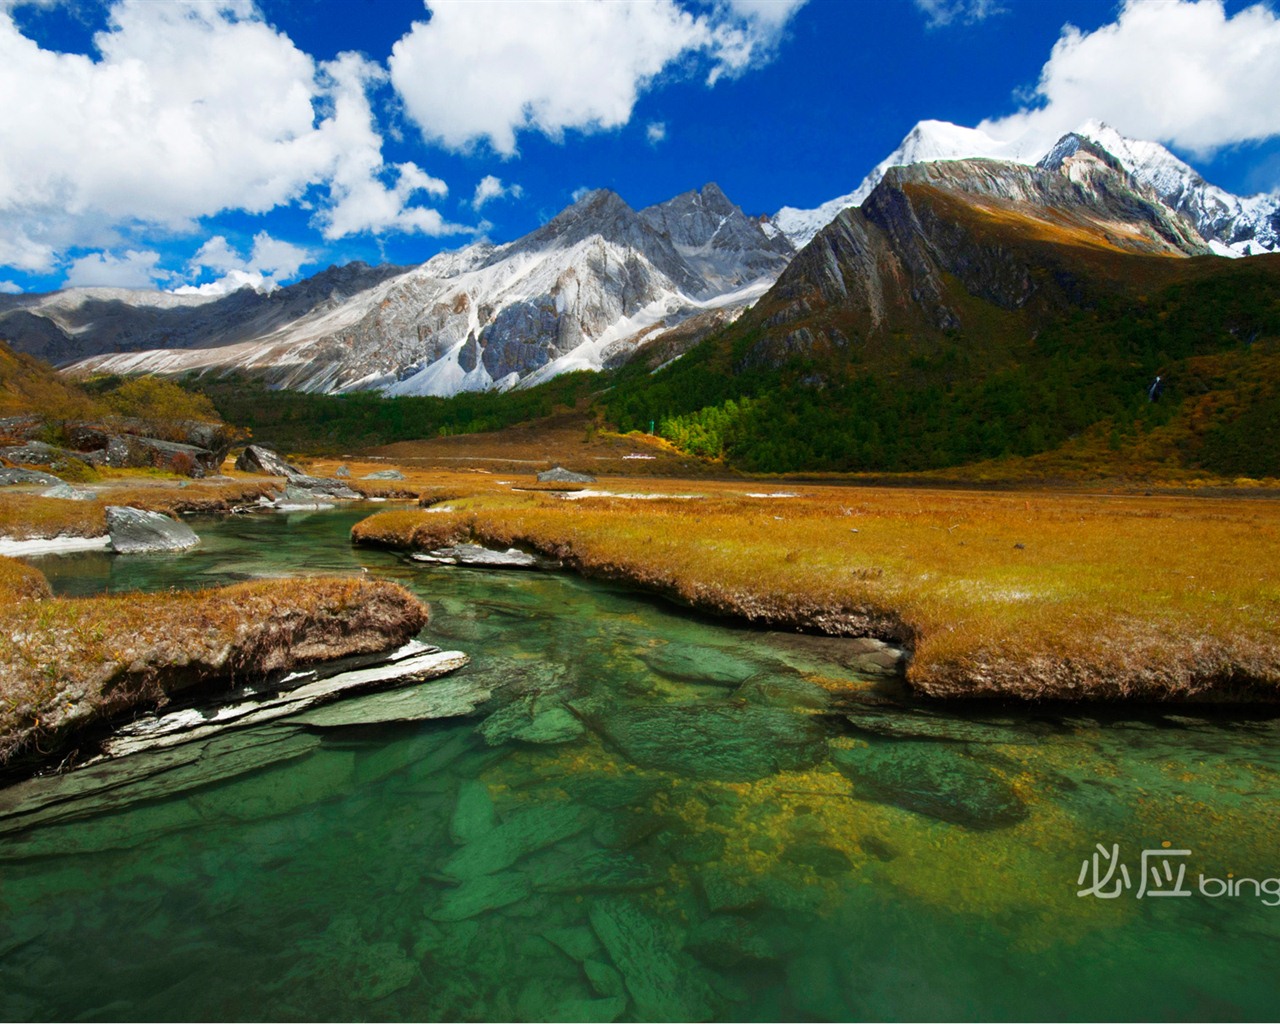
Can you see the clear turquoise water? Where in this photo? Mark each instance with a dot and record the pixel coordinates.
(779, 839)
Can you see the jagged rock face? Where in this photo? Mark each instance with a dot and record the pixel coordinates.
(579, 292)
(988, 226)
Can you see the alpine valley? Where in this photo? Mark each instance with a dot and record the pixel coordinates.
(600, 281)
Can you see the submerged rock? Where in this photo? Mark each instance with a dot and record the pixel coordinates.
(524, 832)
(532, 719)
(688, 664)
(560, 475)
(915, 723)
(934, 779)
(134, 531)
(664, 984)
(725, 742)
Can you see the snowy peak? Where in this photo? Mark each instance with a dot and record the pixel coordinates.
(1233, 226)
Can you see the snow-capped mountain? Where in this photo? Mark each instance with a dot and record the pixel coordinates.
(1232, 225)
(577, 293)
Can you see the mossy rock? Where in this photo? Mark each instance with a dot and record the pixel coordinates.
(937, 780)
(729, 743)
(709, 666)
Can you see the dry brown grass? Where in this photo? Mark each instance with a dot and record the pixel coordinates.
(68, 664)
(1031, 595)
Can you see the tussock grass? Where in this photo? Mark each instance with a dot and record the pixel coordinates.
(1028, 595)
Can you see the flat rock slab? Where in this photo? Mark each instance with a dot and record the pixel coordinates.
(937, 780)
(917, 724)
(442, 698)
(476, 556)
(481, 894)
(709, 665)
(532, 719)
(524, 832)
(384, 474)
(664, 984)
(153, 732)
(134, 531)
(725, 742)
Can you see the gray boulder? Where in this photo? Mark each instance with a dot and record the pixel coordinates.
(23, 427)
(385, 474)
(133, 531)
(256, 459)
(560, 475)
(27, 476)
(68, 493)
(342, 473)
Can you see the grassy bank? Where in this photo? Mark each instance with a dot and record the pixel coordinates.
(69, 665)
(1028, 595)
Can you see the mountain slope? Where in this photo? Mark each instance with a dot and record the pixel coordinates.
(1233, 226)
(577, 293)
(967, 309)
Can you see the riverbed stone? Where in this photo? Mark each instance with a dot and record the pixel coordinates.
(594, 871)
(663, 982)
(524, 832)
(707, 665)
(480, 894)
(783, 691)
(441, 698)
(134, 531)
(914, 723)
(532, 719)
(730, 743)
(728, 940)
(473, 814)
(934, 779)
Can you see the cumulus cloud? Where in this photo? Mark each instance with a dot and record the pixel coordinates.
(488, 71)
(940, 13)
(169, 123)
(9, 288)
(490, 188)
(655, 132)
(1180, 72)
(133, 269)
(270, 261)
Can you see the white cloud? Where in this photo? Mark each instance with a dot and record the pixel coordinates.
(269, 262)
(361, 199)
(1177, 72)
(490, 188)
(490, 70)
(655, 132)
(134, 269)
(940, 13)
(192, 108)
(9, 288)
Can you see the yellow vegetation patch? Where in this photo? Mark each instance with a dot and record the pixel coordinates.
(1027, 594)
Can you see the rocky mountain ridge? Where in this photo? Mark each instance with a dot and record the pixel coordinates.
(574, 294)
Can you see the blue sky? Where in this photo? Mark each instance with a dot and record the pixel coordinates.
(214, 143)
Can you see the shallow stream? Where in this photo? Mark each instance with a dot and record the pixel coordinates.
(661, 817)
